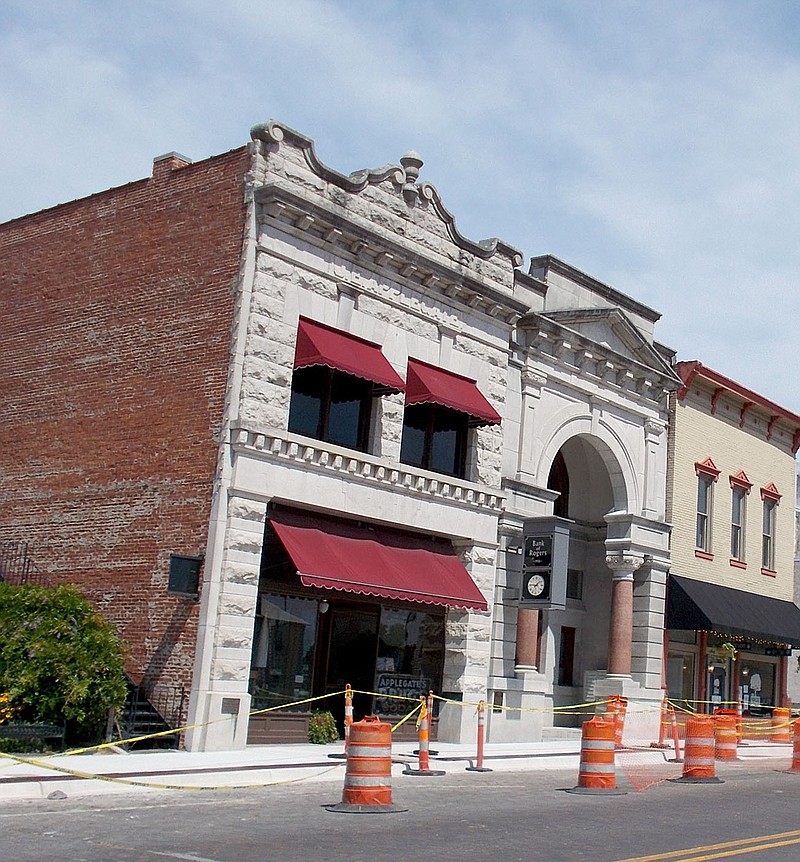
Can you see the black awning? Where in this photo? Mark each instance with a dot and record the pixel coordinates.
(701, 606)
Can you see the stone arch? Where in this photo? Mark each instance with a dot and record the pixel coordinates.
(596, 443)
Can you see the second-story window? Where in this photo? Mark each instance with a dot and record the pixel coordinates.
(434, 438)
(740, 488)
(705, 492)
(331, 406)
(707, 475)
(738, 501)
(336, 379)
(440, 409)
(770, 499)
(768, 536)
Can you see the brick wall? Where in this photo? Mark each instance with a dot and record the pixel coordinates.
(116, 315)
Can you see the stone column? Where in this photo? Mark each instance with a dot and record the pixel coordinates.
(527, 638)
(620, 635)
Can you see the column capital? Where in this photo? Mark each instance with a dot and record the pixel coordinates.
(623, 565)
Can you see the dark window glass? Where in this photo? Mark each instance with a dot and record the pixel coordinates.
(434, 438)
(558, 480)
(410, 658)
(574, 584)
(566, 656)
(283, 640)
(331, 406)
(308, 398)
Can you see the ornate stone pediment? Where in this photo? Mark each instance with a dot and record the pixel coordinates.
(602, 344)
(611, 329)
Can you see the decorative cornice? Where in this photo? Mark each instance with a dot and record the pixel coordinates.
(547, 262)
(318, 456)
(581, 355)
(403, 175)
(322, 223)
(740, 480)
(706, 468)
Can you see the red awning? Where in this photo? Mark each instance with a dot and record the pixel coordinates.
(426, 383)
(374, 562)
(318, 344)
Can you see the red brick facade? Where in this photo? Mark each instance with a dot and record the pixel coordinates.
(117, 313)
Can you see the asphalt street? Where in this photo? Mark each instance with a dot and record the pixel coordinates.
(753, 814)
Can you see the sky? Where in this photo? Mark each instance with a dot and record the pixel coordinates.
(654, 145)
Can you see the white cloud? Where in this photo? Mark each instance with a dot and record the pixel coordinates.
(654, 145)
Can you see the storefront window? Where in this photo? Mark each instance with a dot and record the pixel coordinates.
(680, 678)
(410, 658)
(283, 650)
(757, 685)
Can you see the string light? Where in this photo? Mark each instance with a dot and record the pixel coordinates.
(739, 639)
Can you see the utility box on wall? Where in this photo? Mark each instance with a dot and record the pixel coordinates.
(545, 543)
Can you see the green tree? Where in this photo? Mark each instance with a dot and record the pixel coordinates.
(59, 659)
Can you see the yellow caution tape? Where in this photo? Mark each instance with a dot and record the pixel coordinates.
(406, 718)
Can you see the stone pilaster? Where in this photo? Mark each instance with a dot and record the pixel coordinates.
(221, 702)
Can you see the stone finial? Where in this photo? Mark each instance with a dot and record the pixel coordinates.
(411, 163)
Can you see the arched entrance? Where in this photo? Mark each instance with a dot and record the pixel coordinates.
(580, 640)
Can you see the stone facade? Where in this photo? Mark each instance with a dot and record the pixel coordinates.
(569, 363)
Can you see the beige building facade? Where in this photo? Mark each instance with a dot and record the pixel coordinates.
(731, 618)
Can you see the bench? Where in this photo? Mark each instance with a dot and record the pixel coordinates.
(32, 730)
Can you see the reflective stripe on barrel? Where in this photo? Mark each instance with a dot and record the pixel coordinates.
(597, 770)
(781, 725)
(725, 741)
(367, 780)
(698, 758)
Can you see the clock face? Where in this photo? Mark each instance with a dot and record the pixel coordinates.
(536, 585)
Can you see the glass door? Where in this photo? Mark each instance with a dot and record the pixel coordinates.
(352, 647)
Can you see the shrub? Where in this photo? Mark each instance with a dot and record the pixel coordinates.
(322, 728)
(60, 661)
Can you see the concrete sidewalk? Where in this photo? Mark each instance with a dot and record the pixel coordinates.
(265, 765)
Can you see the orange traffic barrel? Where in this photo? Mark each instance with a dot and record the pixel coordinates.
(368, 775)
(619, 706)
(795, 767)
(781, 725)
(597, 770)
(736, 713)
(725, 739)
(698, 752)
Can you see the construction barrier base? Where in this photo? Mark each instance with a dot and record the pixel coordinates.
(342, 756)
(423, 772)
(477, 769)
(349, 808)
(689, 780)
(431, 752)
(596, 791)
